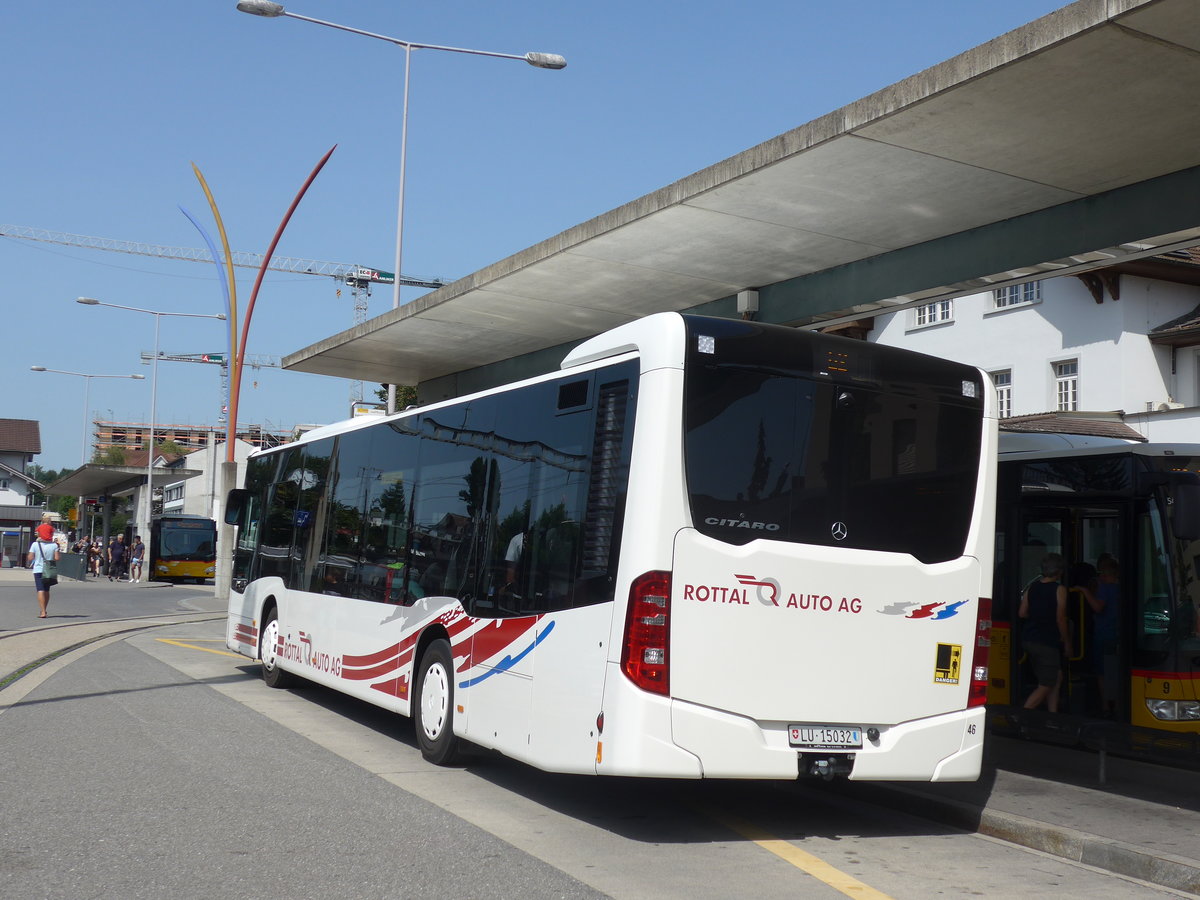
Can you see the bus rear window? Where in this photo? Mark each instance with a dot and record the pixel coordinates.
(780, 446)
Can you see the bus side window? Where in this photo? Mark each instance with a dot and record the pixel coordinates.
(454, 499)
(259, 475)
(1153, 588)
(559, 498)
(338, 570)
(389, 561)
(278, 523)
(311, 515)
(247, 539)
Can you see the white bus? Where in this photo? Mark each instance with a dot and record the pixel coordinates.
(704, 548)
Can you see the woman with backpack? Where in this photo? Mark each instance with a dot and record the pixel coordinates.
(44, 555)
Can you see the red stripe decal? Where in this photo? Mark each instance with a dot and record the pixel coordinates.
(1172, 676)
(384, 668)
(397, 687)
(371, 659)
(372, 665)
(494, 637)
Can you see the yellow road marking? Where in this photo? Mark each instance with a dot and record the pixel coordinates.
(204, 649)
(806, 862)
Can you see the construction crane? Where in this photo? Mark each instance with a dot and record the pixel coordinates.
(216, 359)
(358, 278)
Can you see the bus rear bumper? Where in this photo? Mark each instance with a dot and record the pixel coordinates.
(940, 748)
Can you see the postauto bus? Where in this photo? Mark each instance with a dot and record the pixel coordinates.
(182, 548)
(1126, 518)
(704, 548)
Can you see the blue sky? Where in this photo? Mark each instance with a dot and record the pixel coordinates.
(107, 104)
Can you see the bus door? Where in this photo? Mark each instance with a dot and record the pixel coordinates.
(1166, 650)
(1088, 537)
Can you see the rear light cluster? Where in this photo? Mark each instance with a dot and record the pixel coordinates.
(979, 661)
(1174, 710)
(646, 654)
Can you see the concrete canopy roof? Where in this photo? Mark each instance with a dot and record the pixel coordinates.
(95, 480)
(1070, 143)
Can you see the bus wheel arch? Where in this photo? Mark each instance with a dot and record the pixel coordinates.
(433, 700)
(272, 674)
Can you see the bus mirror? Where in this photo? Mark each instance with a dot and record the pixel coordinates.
(235, 506)
(1185, 511)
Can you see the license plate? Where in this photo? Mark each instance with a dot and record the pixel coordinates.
(825, 737)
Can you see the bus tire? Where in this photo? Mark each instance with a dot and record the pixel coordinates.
(272, 674)
(433, 711)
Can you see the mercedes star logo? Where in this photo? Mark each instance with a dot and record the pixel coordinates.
(839, 531)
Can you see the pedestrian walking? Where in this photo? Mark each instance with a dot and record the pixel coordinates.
(44, 556)
(1046, 634)
(116, 557)
(137, 553)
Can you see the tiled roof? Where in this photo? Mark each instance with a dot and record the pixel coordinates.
(1177, 327)
(1072, 423)
(1190, 256)
(21, 435)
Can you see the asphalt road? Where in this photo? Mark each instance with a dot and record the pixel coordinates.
(159, 765)
(94, 600)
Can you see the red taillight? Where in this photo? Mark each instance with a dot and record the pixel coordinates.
(645, 656)
(979, 660)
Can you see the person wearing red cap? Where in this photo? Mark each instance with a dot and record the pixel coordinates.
(44, 550)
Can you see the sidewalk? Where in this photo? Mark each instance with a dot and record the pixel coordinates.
(1143, 821)
(19, 575)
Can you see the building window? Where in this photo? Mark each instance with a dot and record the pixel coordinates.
(1003, 383)
(1017, 294)
(1066, 384)
(3, 484)
(933, 313)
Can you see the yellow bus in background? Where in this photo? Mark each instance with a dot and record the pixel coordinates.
(182, 548)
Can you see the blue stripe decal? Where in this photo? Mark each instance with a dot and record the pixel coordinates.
(509, 661)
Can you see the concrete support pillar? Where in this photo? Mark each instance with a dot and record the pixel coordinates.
(226, 482)
(106, 520)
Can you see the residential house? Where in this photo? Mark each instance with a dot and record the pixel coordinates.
(199, 494)
(1123, 340)
(20, 441)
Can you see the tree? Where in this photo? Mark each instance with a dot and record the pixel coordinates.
(170, 448)
(110, 456)
(406, 395)
(44, 476)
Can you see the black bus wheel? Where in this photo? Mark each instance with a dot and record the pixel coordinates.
(433, 709)
(268, 652)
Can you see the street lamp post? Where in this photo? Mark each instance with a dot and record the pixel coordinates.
(83, 454)
(158, 314)
(269, 9)
(86, 395)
